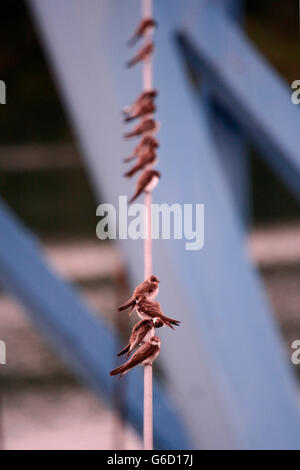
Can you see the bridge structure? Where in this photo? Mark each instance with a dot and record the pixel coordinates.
(227, 383)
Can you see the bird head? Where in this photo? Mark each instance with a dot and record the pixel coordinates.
(153, 279)
(158, 323)
(155, 341)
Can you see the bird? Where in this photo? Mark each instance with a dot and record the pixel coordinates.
(147, 142)
(145, 355)
(146, 126)
(143, 54)
(146, 183)
(146, 107)
(141, 332)
(149, 288)
(141, 99)
(147, 310)
(146, 25)
(147, 158)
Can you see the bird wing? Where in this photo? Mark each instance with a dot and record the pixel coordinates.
(145, 289)
(132, 340)
(150, 307)
(127, 304)
(142, 182)
(145, 179)
(135, 332)
(147, 309)
(145, 351)
(124, 350)
(144, 327)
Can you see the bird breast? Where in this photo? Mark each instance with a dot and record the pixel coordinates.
(153, 183)
(151, 358)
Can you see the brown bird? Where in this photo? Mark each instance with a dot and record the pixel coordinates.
(147, 24)
(145, 355)
(141, 332)
(146, 183)
(143, 54)
(147, 158)
(147, 142)
(146, 107)
(147, 310)
(146, 126)
(144, 97)
(148, 288)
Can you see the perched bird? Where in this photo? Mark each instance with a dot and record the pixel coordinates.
(146, 183)
(143, 54)
(148, 288)
(146, 126)
(147, 310)
(147, 142)
(147, 158)
(144, 97)
(146, 25)
(145, 355)
(146, 107)
(141, 332)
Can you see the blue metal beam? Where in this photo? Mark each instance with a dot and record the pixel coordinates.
(227, 134)
(85, 342)
(247, 86)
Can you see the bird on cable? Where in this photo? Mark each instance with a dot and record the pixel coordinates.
(149, 288)
(147, 310)
(146, 107)
(145, 355)
(146, 158)
(147, 142)
(141, 332)
(143, 98)
(143, 54)
(146, 25)
(146, 126)
(146, 183)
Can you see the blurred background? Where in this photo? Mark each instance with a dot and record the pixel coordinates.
(44, 181)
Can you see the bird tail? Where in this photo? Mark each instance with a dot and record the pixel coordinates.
(129, 118)
(131, 310)
(136, 195)
(133, 171)
(125, 350)
(171, 321)
(127, 304)
(128, 159)
(130, 134)
(120, 370)
(132, 62)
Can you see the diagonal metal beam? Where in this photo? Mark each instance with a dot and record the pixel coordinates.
(247, 86)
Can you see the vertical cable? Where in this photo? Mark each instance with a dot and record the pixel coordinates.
(148, 394)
